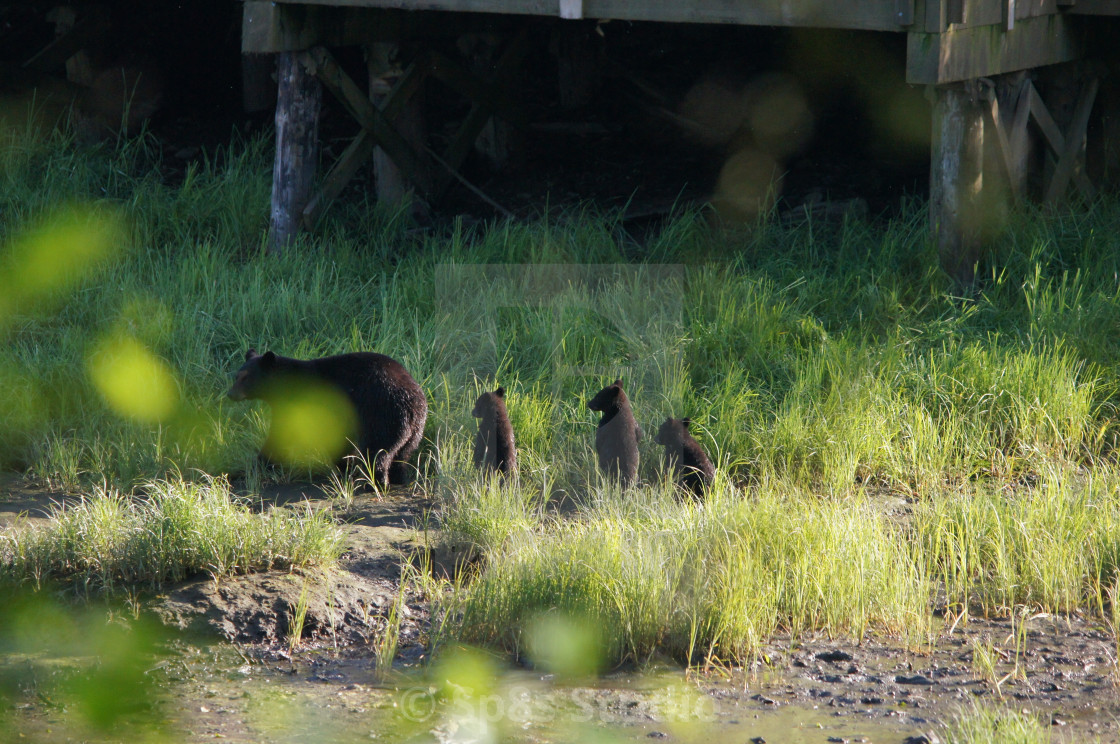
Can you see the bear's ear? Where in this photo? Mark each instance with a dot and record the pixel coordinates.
(686, 421)
(618, 382)
(500, 392)
(251, 354)
(269, 358)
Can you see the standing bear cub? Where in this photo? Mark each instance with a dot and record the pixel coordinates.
(320, 405)
(684, 456)
(494, 449)
(616, 439)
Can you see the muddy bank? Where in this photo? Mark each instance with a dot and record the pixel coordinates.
(256, 685)
(1064, 668)
(347, 607)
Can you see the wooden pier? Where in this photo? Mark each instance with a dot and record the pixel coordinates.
(975, 56)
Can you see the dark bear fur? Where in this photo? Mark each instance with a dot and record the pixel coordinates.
(616, 439)
(390, 407)
(494, 448)
(684, 457)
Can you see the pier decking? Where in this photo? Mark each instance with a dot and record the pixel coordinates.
(975, 56)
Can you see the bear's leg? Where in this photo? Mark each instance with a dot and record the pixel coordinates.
(400, 472)
(382, 468)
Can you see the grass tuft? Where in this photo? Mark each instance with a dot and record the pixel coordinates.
(177, 530)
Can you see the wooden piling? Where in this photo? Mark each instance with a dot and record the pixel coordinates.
(956, 179)
(299, 96)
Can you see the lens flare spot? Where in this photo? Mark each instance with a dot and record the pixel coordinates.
(748, 185)
(51, 260)
(465, 672)
(566, 646)
(779, 116)
(312, 425)
(133, 381)
(23, 404)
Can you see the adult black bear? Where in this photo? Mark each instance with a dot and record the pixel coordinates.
(366, 398)
(684, 457)
(494, 448)
(616, 439)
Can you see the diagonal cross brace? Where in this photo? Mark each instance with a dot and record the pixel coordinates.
(1066, 147)
(372, 119)
(358, 151)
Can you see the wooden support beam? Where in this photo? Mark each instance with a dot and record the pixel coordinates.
(347, 91)
(269, 28)
(355, 155)
(1055, 139)
(1070, 157)
(868, 15)
(956, 179)
(403, 106)
(993, 121)
(298, 101)
(1095, 7)
(481, 111)
(960, 54)
(1015, 96)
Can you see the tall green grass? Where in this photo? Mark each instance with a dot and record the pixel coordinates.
(1053, 545)
(829, 355)
(823, 365)
(653, 573)
(992, 725)
(179, 529)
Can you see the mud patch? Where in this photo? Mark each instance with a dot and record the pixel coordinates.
(347, 606)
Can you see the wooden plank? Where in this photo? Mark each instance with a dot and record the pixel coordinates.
(954, 11)
(933, 16)
(403, 107)
(1070, 157)
(347, 91)
(995, 12)
(353, 157)
(1034, 8)
(871, 15)
(268, 27)
(994, 122)
(1053, 134)
(1015, 93)
(904, 12)
(297, 148)
(468, 132)
(1044, 120)
(968, 53)
(1096, 7)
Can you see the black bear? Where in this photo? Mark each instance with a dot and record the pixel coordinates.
(364, 398)
(684, 456)
(616, 439)
(494, 449)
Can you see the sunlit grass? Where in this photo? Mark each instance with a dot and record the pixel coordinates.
(176, 530)
(824, 366)
(993, 725)
(654, 573)
(1052, 545)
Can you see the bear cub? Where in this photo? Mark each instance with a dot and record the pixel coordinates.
(494, 449)
(616, 439)
(684, 456)
(388, 413)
